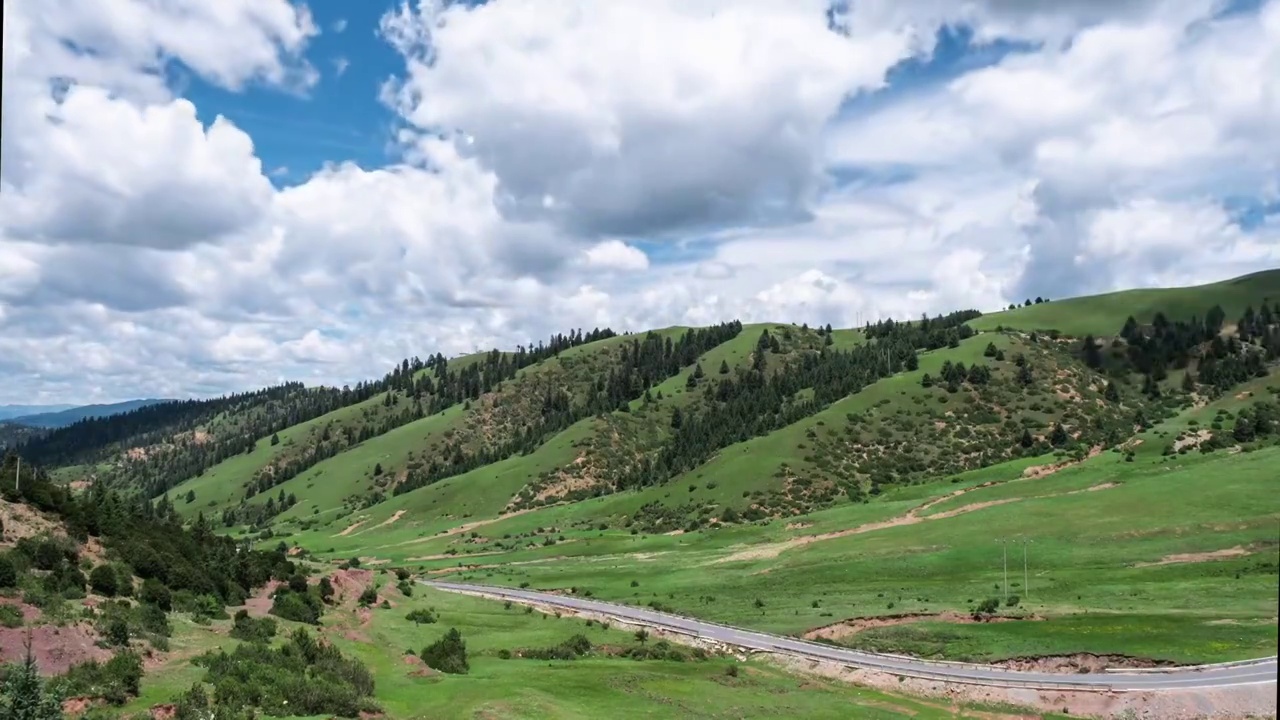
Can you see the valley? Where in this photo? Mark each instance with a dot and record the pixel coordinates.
(1074, 485)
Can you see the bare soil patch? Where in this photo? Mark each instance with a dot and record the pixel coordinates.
(351, 528)
(1193, 440)
(260, 604)
(20, 521)
(1039, 471)
(853, 626)
(1178, 558)
(398, 514)
(55, 648)
(1081, 663)
(348, 584)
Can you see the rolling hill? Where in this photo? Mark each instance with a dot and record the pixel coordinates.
(63, 416)
(848, 485)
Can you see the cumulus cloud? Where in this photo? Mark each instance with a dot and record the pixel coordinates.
(635, 118)
(144, 252)
(616, 255)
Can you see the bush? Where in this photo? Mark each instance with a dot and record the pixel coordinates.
(156, 593)
(10, 616)
(8, 573)
(987, 607)
(299, 607)
(420, 616)
(259, 630)
(116, 681)
(448, 654)
(571, 649)
(369, 596)
(303, 677)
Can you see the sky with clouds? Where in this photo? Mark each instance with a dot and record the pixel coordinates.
(200, 197)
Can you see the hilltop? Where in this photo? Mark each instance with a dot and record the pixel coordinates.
(840, 484)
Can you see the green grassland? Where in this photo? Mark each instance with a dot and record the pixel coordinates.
(1086, 571)
(599, 684)
(1104, 315)
(897, 501)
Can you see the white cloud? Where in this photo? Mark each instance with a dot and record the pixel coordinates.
(145, 253)
(639, 118)
(339, 25)
(616, 255)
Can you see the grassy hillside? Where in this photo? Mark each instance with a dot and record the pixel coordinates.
(856, 486)
(1104, 315)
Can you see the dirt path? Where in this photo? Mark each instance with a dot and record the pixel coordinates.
(350, 528)
(1199, 557)
(911, 517)
(463, 528)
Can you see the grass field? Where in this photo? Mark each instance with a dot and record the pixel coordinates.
(595, 686)
(1104, 315)
(1088, 562)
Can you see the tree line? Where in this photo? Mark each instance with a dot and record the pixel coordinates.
(641, 364)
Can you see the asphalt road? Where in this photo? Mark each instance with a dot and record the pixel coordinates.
(1263, 670)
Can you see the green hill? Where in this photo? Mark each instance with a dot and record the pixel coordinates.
(1104, 315)
(844, 484)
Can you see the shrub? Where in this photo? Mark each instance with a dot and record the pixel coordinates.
(260, 630)
(448, 654)
(369, 596)
(116, 680)
(10, 616)
(987, 607)
(420, 616)
(156, 593)
(8, 573)
(299, 607)
(304, 677)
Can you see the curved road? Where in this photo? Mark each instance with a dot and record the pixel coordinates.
(1249, 672)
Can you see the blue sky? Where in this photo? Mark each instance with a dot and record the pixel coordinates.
(743, 170)
(339, 119)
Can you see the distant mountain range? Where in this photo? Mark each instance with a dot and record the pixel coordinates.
(8, 412)
(56, 416)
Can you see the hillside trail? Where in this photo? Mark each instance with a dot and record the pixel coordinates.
(917, 514)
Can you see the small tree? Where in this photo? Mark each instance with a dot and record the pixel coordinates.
(156, 593)
(8, 573)
(25, 696)
(103, 580)
(326, 589)
(420, 616)
(642, 635)
(275, 439)
(448, 654)
(369, 596)
(724, 367)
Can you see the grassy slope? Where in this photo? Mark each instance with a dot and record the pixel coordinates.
(1082, 575)
(1105, 314)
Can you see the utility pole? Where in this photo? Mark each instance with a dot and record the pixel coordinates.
(1004, 543)
(17, 477)
(1026, 585)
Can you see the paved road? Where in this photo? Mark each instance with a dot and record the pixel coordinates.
(1251, 672)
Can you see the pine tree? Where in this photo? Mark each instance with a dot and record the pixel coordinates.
(1188, 382)
(1058, 437)
(275, 439)
(25, 696)
(1026, 441)
(1112, 393)
(1092, 356)
(724, 367)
